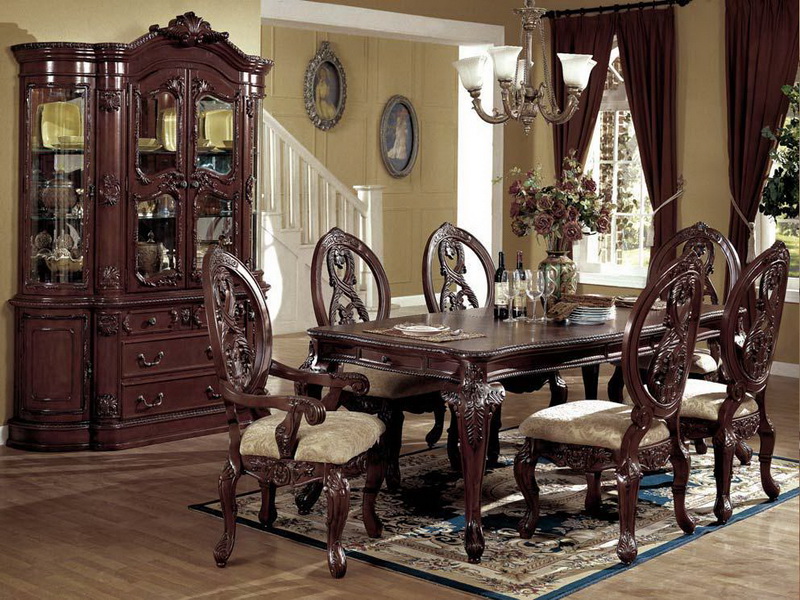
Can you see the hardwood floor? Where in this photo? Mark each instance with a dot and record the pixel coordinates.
(115, 525)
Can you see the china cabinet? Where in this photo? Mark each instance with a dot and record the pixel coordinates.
(134, 159)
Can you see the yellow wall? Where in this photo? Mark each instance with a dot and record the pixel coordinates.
(23, 21)
(376, 70)
(702, 134)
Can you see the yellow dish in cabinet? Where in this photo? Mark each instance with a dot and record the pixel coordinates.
(60, 120)
(168, 119)
(218, 126)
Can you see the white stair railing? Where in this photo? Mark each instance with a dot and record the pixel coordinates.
(299, 201)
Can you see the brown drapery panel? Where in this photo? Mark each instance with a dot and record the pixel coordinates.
(580, 35)
(761, 54)
(647, 49)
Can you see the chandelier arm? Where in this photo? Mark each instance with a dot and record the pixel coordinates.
(508, 107)
(551, 112)
(493, 119)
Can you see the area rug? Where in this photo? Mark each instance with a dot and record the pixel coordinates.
(423, 523)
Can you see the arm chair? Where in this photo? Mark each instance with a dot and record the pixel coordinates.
(300, 442)
(446, 246)
(595, 435)
(703, 241)
(734, 410)
(390, 393)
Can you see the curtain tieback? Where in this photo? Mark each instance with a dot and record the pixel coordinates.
(651, 230)
(751, 236)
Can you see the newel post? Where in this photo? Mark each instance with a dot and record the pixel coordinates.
(372, 197)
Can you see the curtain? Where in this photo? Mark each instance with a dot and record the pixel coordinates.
(580, 35)
(647, 49)
(761, 54)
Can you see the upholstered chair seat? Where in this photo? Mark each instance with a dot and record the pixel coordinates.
(702, 362)
(588, 423)
(703, 399)
(342, 436)
(383, 384)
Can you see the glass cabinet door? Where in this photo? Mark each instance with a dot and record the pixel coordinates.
(56, 181)
(157, 239)
(158, 128)
(214, 225)
(215, 144)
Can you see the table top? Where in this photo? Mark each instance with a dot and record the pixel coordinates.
(500, 338)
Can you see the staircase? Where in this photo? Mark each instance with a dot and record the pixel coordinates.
(299, 201)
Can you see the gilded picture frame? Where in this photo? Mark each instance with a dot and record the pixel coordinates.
(325, 89)
(399, 136)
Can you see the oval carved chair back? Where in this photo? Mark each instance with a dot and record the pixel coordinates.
(334, 254)
(750, 328)
(657, 393)
(447, 245)
(703, 240)
(241, 362)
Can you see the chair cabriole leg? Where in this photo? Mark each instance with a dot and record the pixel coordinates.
(681, 466)
(628, 475)
(766, 433)
(227, 499)
(372, 485)
(268, 512)
(593, 495)
(525, 474)
(724, 444)
(337, 493)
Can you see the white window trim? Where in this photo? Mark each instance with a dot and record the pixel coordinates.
(765, 237)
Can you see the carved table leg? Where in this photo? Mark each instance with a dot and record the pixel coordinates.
(593, 495)
(393, 441)
(493, 449)
(616, 385)
(268, 512)
(525, 474)
(591, 375)
(474, 403)
(629, 474)
(227, 499)
(453, 453)
(337, 493)
(558, 389)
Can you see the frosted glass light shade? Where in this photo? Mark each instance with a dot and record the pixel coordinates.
(576, 69)
(505, 61)
(470, 70)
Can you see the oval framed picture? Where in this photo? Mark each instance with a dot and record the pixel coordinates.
(325, 89)
(399, 136)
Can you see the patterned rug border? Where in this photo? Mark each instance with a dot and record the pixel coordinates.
(562, 592)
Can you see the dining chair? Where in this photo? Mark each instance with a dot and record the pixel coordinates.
(596, 435)
(391, 394)
(734, 409)
(445, 253)
(703, 241)
(300, 442)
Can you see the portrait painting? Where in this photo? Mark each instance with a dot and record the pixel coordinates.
(399, 136)
(325, 88)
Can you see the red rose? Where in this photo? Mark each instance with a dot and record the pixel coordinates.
(573, 213)
(544, 202)
(515, 188)
(603, 224)
(572, 231)
(515, 208)
(519, 228)
(542, 223)
(559, 210)
(589, 184)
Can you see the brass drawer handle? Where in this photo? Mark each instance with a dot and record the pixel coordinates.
(209, 354)
(151, 321)
(386, 360)
(212, 395)
(157, 402)
(144, 363)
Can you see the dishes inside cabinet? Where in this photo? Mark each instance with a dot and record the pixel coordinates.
(58, 193)
(60, 119)
(149, 145)
(169, 129)
(218, 125)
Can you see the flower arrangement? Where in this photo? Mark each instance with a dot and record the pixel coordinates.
(562, 213)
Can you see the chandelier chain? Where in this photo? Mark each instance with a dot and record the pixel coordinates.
(548, 81)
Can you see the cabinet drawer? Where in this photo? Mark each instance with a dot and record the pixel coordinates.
(412, 362)
(169, 395)
(151, 320)
(163, 355)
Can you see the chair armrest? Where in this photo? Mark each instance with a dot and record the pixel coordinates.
(357, 382)
(296, 408)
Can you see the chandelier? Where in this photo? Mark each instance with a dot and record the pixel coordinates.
(513, 68)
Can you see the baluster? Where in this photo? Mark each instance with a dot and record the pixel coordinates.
(313, 209)
(275, 172)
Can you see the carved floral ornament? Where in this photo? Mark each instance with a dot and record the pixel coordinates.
(190, 30)
(325, 88)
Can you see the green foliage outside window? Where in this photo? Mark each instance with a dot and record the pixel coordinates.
(779, 198)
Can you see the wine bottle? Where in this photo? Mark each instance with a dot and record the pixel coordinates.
(501, 289)
(519, 306)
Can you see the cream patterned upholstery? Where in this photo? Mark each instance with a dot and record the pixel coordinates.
(703, 399)
(702, 362)
(383, 384)
(590, 423)
(342, 436)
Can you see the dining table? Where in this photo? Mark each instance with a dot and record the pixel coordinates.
(470, 370)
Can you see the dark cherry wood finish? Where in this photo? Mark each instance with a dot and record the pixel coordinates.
(703, 241)
(469, 370)
(243, 360)
(78, 373)
(334, 261)
(748, 337)
(657, 395)
(446, 246)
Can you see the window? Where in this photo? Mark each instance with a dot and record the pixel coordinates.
(768, 230)
(614, 163)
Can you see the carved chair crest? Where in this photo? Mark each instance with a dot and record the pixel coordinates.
(752, 318)
(660, 393)
(701, 240)
(336, 253)
(447, 244)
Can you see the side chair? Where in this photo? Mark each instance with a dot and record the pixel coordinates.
(300, 442)
(734, 409)
(596, 435)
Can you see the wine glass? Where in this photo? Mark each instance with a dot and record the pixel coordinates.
(533, 291)
(547, 284)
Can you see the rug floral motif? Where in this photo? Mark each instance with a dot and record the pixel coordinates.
(423, 522)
